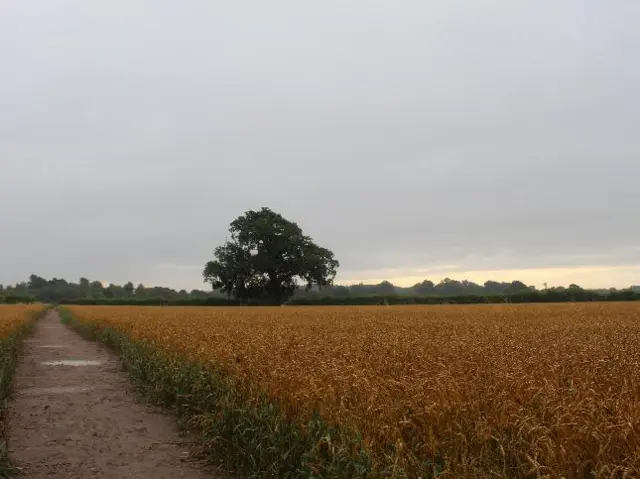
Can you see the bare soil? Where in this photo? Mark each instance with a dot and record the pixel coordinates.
(83, 420)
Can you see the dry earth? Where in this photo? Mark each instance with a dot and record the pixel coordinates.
(82, 419)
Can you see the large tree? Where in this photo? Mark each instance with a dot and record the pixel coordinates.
(266, 258)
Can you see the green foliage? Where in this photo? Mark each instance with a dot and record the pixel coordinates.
(265, 258)
(549, 296)
(449, 291)
(15, 299)
(239, 426)
(58, 291)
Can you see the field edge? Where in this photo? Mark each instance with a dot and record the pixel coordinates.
(240, 430)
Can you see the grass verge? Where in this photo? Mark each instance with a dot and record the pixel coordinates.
(239, 429)
(10, 347)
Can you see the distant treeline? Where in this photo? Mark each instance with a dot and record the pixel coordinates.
(548, 296)
(14, 299)
(530, 297)
(59, 290)
(447, 291)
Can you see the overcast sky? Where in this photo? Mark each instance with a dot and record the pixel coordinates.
(478, 139)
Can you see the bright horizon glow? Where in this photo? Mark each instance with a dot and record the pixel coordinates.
(588, 276)
(600, 276)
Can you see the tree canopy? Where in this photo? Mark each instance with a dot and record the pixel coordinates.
(266, 258)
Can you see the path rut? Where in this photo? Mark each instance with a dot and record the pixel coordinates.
(83, 421)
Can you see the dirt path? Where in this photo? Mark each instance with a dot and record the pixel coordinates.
(82, 420)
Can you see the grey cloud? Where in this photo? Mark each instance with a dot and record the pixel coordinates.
(406, 135)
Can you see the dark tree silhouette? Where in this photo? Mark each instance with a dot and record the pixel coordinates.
(265, 259)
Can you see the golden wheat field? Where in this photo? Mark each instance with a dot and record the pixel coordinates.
(14, 315)
(489, 390)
